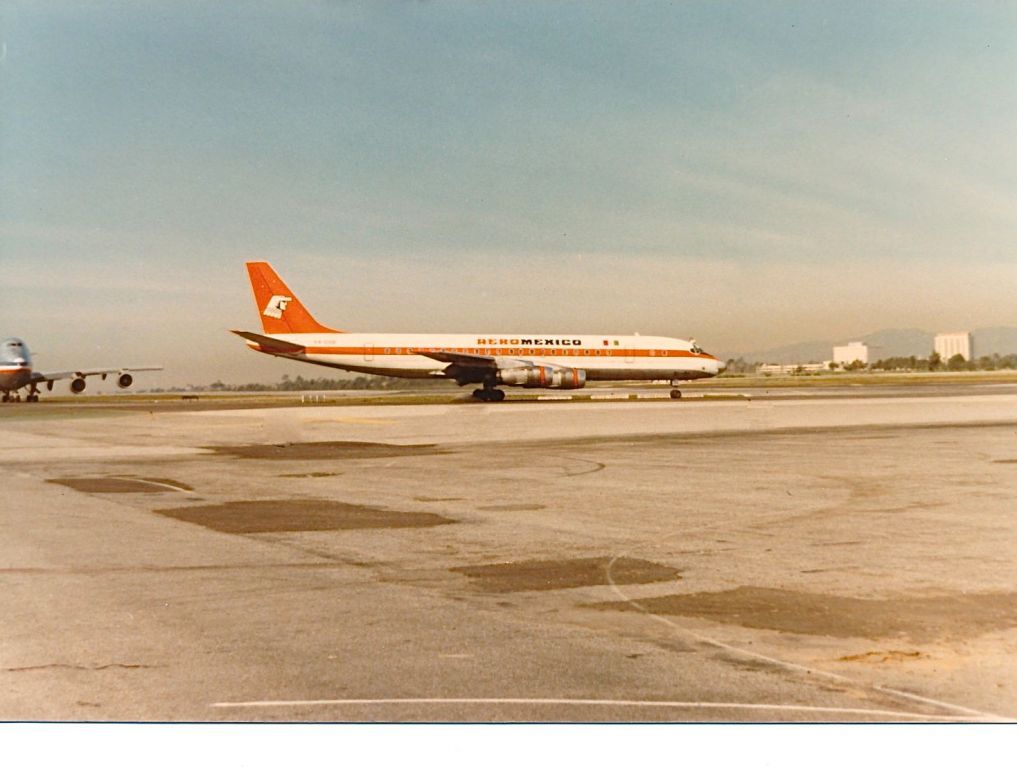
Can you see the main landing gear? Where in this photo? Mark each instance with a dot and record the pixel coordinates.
(15, 397)
(489, 395)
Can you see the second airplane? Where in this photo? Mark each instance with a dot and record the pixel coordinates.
(552, 361)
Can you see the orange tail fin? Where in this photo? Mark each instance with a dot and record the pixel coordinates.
(280, 310)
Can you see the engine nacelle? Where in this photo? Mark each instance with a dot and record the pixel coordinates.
(543, 376)
(77, 386)
(124, 380)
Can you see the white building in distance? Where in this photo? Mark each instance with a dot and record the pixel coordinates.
(853, 350)
(949, 344)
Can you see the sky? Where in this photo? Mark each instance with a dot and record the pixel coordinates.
(748, 173)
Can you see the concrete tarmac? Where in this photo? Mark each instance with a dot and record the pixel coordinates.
(807, 559)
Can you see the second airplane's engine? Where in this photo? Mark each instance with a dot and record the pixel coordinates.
(543, 376)
(124, 380)
(77, 386)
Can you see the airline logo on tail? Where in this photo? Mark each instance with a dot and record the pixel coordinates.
(276, 306)
(281, 310)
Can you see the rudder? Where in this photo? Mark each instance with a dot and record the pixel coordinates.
(280, 310)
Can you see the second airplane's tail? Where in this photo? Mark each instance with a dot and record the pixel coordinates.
(280, 310)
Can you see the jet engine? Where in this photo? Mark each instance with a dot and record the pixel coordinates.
(124, 380)
(77, 386)
(543, 376)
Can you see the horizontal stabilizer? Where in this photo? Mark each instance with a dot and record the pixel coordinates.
(268, 344)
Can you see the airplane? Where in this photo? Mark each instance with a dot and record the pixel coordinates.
(16, 373)
(529, 360)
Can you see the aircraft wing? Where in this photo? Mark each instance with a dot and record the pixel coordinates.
(38, 377)
(268, 344)
(462, 360)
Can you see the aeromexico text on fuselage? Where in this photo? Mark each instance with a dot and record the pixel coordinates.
(531, 342)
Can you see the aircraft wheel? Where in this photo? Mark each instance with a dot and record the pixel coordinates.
(676, 394)
(7, 398)
(497, 395)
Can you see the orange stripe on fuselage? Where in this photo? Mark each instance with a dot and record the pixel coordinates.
(510, 351)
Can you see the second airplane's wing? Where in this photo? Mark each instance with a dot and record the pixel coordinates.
(39, 377)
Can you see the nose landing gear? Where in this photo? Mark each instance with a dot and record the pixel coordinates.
(676, 393)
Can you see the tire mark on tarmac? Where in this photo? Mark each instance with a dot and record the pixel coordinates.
(597, 466)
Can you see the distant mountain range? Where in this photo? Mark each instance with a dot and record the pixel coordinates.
(894, 342)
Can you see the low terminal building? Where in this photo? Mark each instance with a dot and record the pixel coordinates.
(769, 369)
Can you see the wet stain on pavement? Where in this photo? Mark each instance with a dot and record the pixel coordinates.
(280, 515)
(535, 575)
(325, 450)
(113, 485)
(921, 619)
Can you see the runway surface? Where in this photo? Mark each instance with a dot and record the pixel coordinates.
(847, 557)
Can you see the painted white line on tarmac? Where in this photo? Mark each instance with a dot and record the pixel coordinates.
(648, 704)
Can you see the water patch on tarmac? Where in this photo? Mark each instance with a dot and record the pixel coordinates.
(325, 450)
(526, 575)
(918, 618)
(292, 515)
(118, 485)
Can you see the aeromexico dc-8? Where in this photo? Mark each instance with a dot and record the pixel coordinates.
(16, 373)
(532, 360)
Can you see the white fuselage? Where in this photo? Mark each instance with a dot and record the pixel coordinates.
(15, 365)
(604, 358)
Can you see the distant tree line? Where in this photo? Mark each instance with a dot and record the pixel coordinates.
(934, 362)
(300, 384)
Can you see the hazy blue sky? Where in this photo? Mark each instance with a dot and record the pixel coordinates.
(748, 173)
